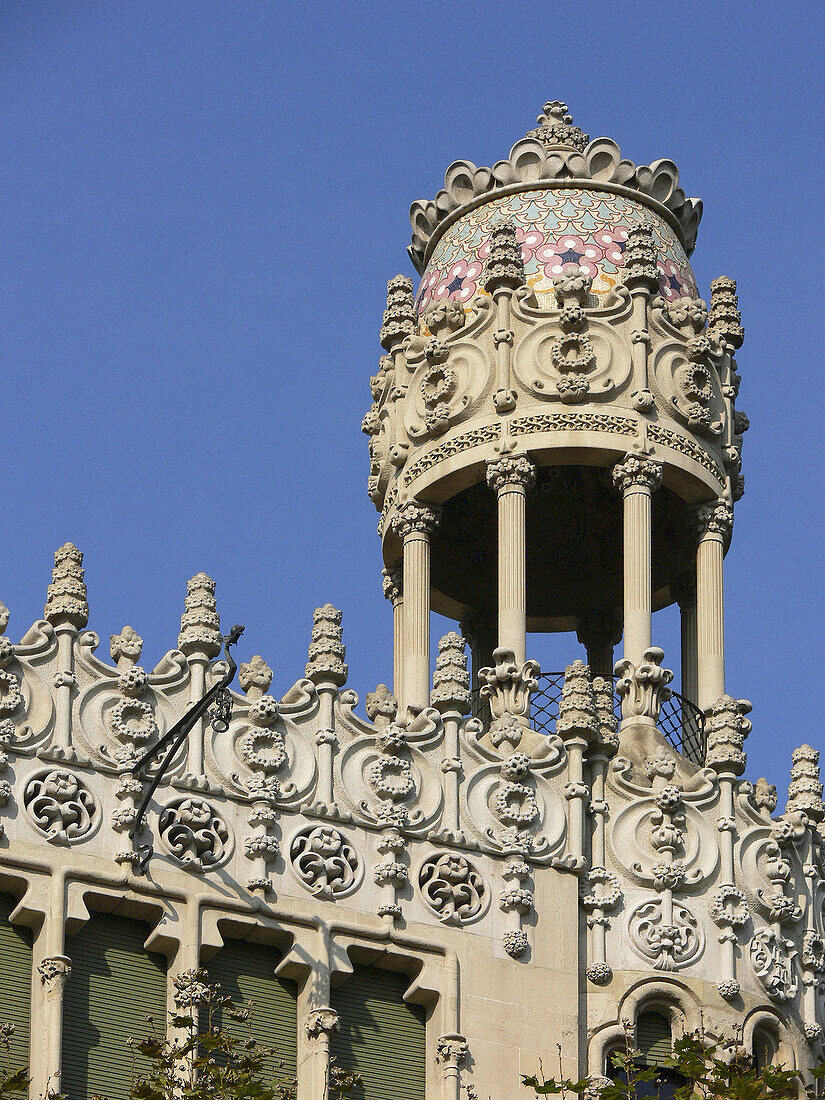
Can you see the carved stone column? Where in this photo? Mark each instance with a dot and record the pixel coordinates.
(200, 640)
(52, 971)
(67, 610)
(452, 1053)
(713, 524)
(685, 594)
(326, 668)
(451, 697)
(321, 1025)
(599, 632)
(637, 477)
(414, 524)
(393, 584)
(510, 477)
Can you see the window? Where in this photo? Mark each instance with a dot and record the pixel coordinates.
(654, 1041)
(765, 1047)
(246, 972)
(16, 953)
(114, 985)
(381, 1037)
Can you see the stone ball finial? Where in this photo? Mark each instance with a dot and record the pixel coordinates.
(66, 597)
(325, 663)
(200, 624)
(400, 317)
(555, 127)
(451, 680)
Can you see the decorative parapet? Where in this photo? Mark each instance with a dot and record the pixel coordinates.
(200, 624)
(504, 267)
(66, 597)
(325, 663)
(451, 680)
(400, 318)
(726, 731)
(553, 156)
(725, 320)
(643, 688)
(805, 788)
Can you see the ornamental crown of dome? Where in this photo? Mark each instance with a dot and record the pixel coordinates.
(556, 154)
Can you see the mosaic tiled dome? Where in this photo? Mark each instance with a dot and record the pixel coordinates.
(572, 201)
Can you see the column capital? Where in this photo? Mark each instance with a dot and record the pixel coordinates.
(392, 582)
(712, 520)
(322, 1022)
(413, 518)
(637, 472)
(452, 1050)
(510, 471)
(54, 969)
(599, 628)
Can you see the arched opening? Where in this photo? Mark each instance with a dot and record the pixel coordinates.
(654, 1045)
(765, 1047)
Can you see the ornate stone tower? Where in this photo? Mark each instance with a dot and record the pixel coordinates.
(554, 442)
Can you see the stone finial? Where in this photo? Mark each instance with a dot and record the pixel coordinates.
(507, 686)
(606, 713)
(714, 518)
(451, 680)
(255, 676)
(510, 470)
(637, 470)
(66, 600)
(643, 688)
(805, 788)
(381, 706)
(400, 318)
(125, 646)
(577, 706)
(555, 127)
(325, 662)
(726, 732)
(640, 258)
(200, 624)
(764, 795)
(725, 320)
(4, 617)
(413, 518)
(504, 266)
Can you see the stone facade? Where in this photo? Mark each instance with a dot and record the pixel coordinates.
(539, 882)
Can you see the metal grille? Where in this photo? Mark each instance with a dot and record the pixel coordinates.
(681, 722)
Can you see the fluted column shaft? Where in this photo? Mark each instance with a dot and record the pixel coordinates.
(637, 477)
(686, 596)
(415, 524)
(714, 523)
(510, 477)
(394, 592)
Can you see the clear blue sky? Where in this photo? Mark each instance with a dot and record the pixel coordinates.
(200, 205)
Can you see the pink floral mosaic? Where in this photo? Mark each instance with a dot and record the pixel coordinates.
(554, 228)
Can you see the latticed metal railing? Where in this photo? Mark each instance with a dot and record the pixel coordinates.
(681, 722)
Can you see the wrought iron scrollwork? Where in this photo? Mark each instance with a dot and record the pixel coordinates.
(216, 704)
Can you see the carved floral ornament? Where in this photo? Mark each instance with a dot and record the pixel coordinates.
(671, 940)
(772, 959)
(194, 834)
(61, 807)
(325, 862)
(452, 888)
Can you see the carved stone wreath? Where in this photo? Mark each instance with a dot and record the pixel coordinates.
(194, 834)
(391, 777)
(61, 807)
(133, 720)
(438, 384)
(452, 888)
(325, 862)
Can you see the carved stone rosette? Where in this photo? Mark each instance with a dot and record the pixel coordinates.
(61, 807)
(194, 834)
(452, 888)
(325, 862)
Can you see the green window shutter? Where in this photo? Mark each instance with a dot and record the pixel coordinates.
(653, 1037)
(246, 973)
(114, 985)
(381, 1037)
(16, 984)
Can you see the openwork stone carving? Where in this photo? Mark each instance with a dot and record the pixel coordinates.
(194, 834)
(772, 959)
(452, 888)
(669, 944)
(325, 862)
(61, 807)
